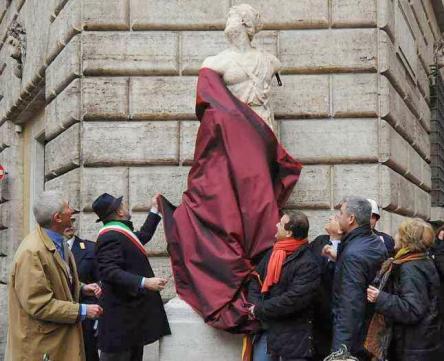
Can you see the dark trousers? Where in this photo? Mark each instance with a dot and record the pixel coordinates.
(134, 354)
(91, 350)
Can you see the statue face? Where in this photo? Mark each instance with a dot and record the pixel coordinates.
(234, 23)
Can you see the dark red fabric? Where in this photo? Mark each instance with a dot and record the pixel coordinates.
(240, 178)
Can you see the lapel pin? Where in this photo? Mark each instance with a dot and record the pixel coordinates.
(82, 245)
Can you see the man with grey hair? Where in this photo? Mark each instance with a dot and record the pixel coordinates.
(43, 291)
(359, 258)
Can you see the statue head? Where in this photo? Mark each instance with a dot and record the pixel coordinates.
(243, 18)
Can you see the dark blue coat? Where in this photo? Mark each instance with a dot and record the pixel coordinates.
(85, 256)
(360, 255)
(323, 322)
(131, 316)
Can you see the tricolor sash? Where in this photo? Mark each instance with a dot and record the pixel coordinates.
(126, 231)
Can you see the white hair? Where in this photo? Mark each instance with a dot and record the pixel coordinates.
(46, 205)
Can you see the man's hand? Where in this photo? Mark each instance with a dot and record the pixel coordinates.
(93, 311)
(155, 283)
(372, 294)
(329, 252)
(251, 316)
(155, 202)
(92, 289)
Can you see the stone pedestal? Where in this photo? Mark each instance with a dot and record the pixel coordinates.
(193, 340)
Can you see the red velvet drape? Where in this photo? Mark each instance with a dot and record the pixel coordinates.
(240, 178)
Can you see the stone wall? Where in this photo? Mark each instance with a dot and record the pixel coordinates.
(117, 81)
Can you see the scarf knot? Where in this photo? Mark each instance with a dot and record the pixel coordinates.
(281, 250)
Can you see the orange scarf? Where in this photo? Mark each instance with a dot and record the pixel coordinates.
(281, 250)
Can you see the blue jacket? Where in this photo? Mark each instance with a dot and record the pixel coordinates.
(360, 255)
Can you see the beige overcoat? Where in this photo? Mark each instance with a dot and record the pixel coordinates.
(43, 314)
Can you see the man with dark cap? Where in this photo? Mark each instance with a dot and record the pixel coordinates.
(133, 313)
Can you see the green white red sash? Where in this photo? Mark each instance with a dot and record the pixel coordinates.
(126, 231)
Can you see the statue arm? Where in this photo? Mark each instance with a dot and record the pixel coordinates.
(215, 63)
(276, 64)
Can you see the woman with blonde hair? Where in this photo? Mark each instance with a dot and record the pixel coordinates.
(406, 326)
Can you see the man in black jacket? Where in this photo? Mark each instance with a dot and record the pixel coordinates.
(85, 257)
(360, 256)
(133, 310)
(324, 248)
(283, 302)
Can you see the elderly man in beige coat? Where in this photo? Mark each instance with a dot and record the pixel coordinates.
(43, 291)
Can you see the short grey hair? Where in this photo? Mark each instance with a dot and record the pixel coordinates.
(46, 205)
(360, 207)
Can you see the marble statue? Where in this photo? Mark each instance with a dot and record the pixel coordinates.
(246, 71)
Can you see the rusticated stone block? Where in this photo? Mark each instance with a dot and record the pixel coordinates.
(421, 16)
(130, 53)
(88, 228)
(423, 203)
(162, 268)
(4, 215)
(316, 141)
(64, 68)
(58, 6)
(130, 143)
(106, 15)
(391, 66)
(299, 50)
(398, 193)
(437, 213)
(7, 134)
(178, 14)
(317, 218)
(406, 40)
(423, 79)
(426, 176)
(35, 18)
(395, 111)
(198, 45)
(394, 149)
(355, 180)
(63, 152)
(386, 16)
(431, 17)
(390, 222)
(105, 98)
(162, 97)
(353, 13)
(415, 166)
(95, 181)
(188, 133)
(69, 184)
(63, 111)
(425, 115)
(302, 96)
(144, 183)
(355, 95)
(299, 14)
(157, 246)
(65, 26)
(4, 316)
(313, 188)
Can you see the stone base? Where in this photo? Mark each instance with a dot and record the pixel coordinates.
(193, 340)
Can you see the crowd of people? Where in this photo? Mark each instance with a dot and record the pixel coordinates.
(354, 292)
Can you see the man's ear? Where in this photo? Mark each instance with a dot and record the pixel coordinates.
(56, 218)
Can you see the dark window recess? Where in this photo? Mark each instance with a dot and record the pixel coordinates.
(437, 136)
